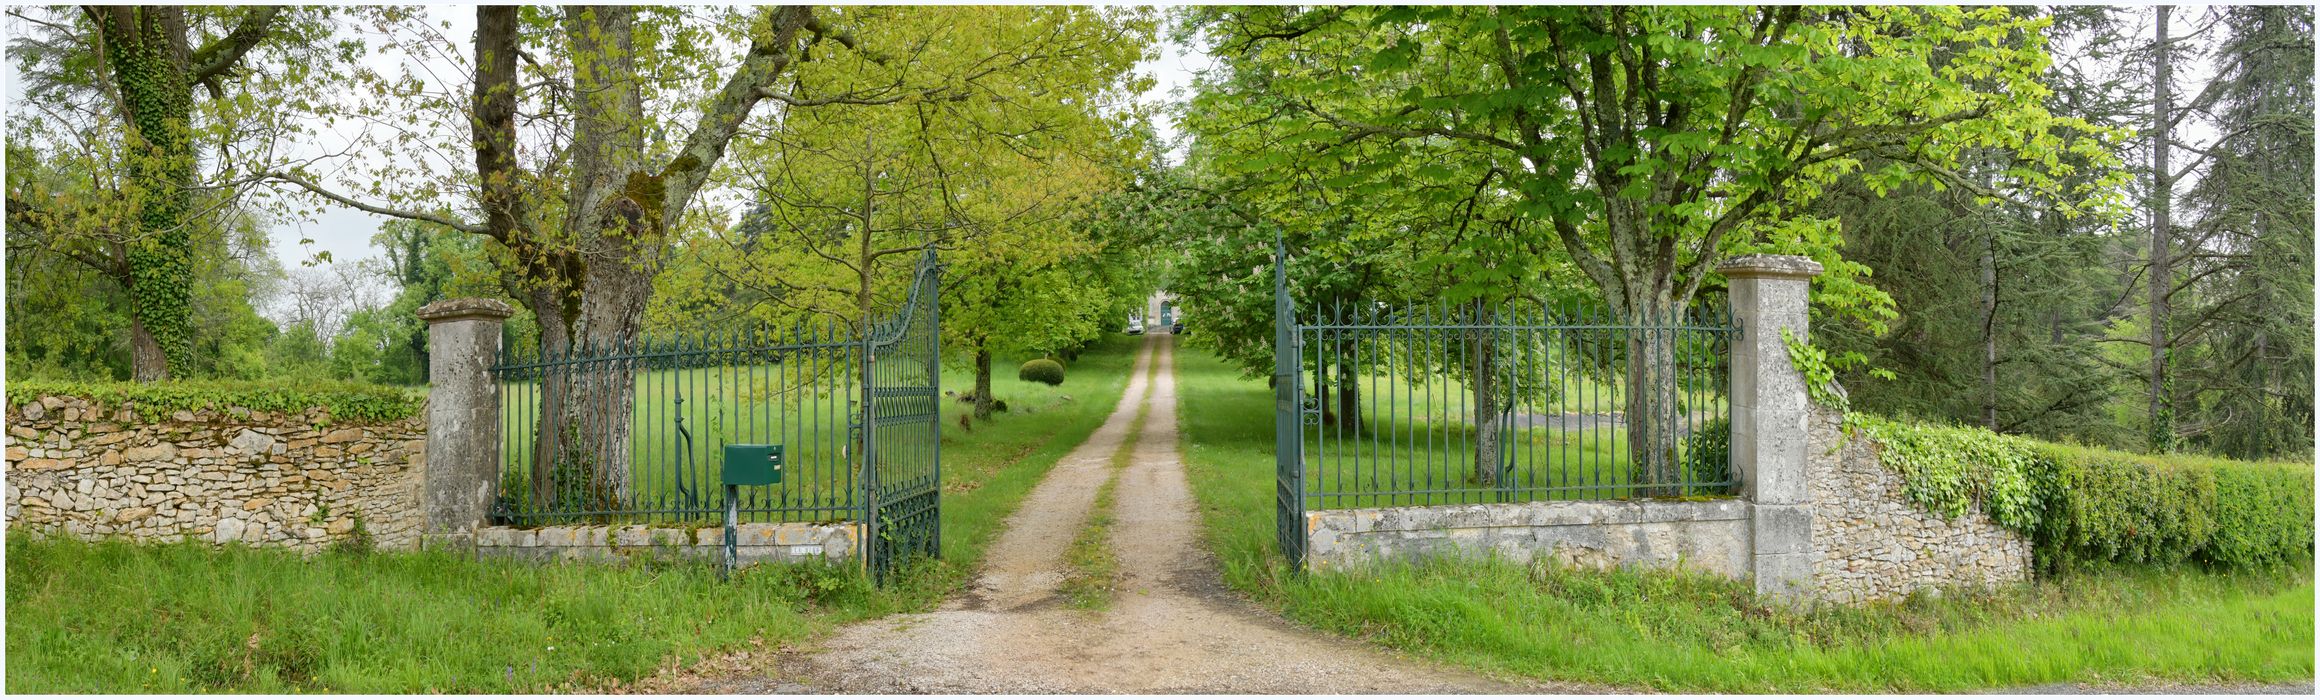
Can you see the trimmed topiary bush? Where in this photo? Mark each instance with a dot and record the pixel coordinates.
(1042, 370)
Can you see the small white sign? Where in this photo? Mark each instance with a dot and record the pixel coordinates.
(804, 550)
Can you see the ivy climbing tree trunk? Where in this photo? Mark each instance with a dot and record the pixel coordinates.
(154, 74)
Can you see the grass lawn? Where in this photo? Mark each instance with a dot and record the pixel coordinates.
(120, 618)
(1701, 633)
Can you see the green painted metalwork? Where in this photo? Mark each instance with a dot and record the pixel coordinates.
(902, 484)
(752, 465)
(1382, 405)
(1288, 446)
(855, 413)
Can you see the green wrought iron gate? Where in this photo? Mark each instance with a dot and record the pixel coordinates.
(632, 432)
(1288, 425)
(1385, 405)
(902, 430)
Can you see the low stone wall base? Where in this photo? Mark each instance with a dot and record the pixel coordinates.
(754, 542)
(1705, 535)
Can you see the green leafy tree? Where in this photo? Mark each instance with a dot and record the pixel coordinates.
(118, 93)
(2245, 381)
(989, 149)
(1652, 142)
(583, 225)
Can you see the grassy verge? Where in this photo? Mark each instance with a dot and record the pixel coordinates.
(1094, 567)
(119, 618)
(1700, 633)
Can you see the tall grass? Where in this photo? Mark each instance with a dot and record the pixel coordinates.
(1690, 632)
(119, 618)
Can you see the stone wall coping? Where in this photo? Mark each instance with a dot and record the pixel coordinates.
(466, 308)
(1768, 265)
(1534, 514)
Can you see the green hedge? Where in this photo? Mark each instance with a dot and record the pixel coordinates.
(351, 403)
(2085, 505)
(2124, 507)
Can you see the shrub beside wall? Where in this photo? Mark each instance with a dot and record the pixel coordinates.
(2084, 505)
(358, 403)
(2107, 506)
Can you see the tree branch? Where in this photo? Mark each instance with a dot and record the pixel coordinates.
(439, 219)
(216, 59)
(768, 57)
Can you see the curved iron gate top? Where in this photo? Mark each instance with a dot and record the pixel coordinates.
(902, 435)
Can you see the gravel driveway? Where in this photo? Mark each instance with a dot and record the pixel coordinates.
(1171, 628)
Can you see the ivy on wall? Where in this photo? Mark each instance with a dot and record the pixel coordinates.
(2082, 505)
(1947, 470)
(1820, 376)
(352, 403)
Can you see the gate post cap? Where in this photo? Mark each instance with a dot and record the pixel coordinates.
(467, 308)
(1769, 265)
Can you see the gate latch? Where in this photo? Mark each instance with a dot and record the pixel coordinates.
(752, 465)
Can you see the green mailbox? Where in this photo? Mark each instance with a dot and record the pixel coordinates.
(752, 465)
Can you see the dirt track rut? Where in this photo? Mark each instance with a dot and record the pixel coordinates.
(1171, 628)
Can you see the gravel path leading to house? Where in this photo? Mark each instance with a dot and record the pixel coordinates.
(1172, 627)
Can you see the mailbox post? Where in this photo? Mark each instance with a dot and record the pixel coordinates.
(745, 465)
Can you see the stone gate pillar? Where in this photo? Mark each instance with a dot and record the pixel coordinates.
(1770, 409)
(463, 421)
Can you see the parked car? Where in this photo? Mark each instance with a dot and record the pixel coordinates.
(1176, 327)
(1135, 326)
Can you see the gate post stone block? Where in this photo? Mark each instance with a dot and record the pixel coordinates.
(1770, 412)
(463, 416)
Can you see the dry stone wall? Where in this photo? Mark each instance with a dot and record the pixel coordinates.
(292, 480)
(1871, 543)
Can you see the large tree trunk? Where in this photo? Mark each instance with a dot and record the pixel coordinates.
(588, 282)
(146, 361)
(1489, 415)
(2161, 414)
(554, 382)
(1653, 409)
(145, 47)
(982, 379)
